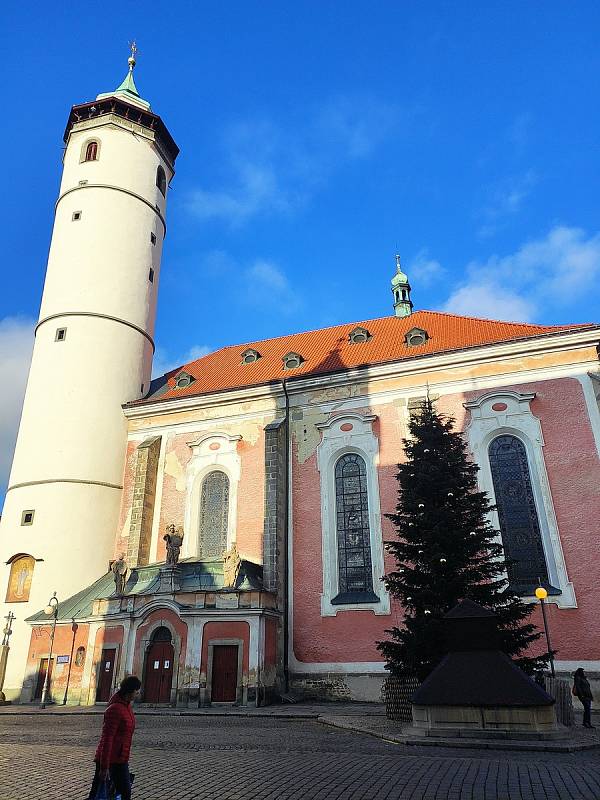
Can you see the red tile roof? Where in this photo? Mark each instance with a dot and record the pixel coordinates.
(330, 350)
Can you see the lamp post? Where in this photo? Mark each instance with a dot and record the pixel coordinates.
(74, 627)
(541, 595)
(51, 609)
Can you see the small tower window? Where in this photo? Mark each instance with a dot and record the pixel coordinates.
(61, 335)
(292, 360)
(153, 238)
(359, 335)
(27, 517)
(91, 151)
(415, 337)
(151, 275)
(76, 216)
(161, 181)
(250, 356)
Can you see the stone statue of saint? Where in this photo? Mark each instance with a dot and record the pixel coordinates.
(174, 540)
(231, 567)
(119, 571)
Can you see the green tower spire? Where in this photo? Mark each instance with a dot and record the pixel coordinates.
(401, 290)
(127, 89)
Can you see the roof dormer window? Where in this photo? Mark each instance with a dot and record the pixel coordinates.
(359, 335)
(250, 356)
(183, 380)
(415, 337)
(292, 360)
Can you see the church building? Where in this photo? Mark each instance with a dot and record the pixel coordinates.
(219, 531)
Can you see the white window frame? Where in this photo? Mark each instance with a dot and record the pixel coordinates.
(518, 420)
(207, 458)
(334, 444)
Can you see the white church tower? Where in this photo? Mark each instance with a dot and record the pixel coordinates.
(93, 352)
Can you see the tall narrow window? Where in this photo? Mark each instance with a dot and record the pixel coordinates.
(353, 532)
(91, 151)
(214, 515)
(517, 513)
(161, 181)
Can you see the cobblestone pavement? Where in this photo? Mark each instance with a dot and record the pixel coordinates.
(49, 757)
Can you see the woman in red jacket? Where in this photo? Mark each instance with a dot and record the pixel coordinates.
(112, 755)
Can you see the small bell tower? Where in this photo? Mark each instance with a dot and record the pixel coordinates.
(401, 290)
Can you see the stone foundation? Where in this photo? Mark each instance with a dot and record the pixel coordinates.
(442, 720)
(338, 687)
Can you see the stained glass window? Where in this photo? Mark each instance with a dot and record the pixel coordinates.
(352, 528)
(519, 523)
(214, 513)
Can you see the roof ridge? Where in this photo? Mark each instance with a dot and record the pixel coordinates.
(506, 321)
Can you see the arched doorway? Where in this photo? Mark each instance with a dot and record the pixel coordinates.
(159, 667)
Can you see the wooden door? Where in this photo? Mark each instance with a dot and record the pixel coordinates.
(224, 673)
(159, 673)
(42, 677)
(105, 677)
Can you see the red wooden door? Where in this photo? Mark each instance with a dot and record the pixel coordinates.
(105, 678)
(42, 677)
(224, 673)
(159, 673)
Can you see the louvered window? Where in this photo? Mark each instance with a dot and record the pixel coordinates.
(214, 515)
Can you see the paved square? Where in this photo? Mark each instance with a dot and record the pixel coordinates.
(49, 757)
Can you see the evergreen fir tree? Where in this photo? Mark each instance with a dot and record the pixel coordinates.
(446, 551)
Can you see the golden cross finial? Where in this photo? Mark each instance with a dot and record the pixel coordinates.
(131, 59)
(398, 266)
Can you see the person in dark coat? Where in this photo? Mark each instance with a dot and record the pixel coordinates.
(112, 754)
(582, 690)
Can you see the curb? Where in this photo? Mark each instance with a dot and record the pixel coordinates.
(464, 744)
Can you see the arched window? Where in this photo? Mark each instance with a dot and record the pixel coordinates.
(162, 634)
(352, 528)
(91, 151)
(214, 515)
(517, 513)
(161, 180)
(19, 580)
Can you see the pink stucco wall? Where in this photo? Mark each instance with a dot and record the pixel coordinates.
(574, 474)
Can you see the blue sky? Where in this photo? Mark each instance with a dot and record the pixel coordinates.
(317, 139)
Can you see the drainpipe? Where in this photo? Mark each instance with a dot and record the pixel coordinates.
(286, 537)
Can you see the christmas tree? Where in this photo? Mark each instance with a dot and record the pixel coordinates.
(446, 550)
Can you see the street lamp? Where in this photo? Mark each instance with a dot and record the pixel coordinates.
(541, 595)
(51, 610)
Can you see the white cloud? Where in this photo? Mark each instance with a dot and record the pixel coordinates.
(425, 270)
(164, 362)
(16, 344)
(549, 274)
(274, 169)
(507, 199)
(268, 287)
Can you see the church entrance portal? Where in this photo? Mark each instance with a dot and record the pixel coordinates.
(224, 673)
(158, 675)
(42, 677)
(105, 677)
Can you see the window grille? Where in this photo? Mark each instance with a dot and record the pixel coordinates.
(214, 515)
(517, 513)
(352, 526)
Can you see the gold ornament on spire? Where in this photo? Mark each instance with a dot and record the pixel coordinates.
(131, 60)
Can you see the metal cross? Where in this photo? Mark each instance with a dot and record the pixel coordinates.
(8, 628)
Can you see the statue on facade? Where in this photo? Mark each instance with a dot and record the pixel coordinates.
(231, 566)
(174, 539)
(119, 571)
